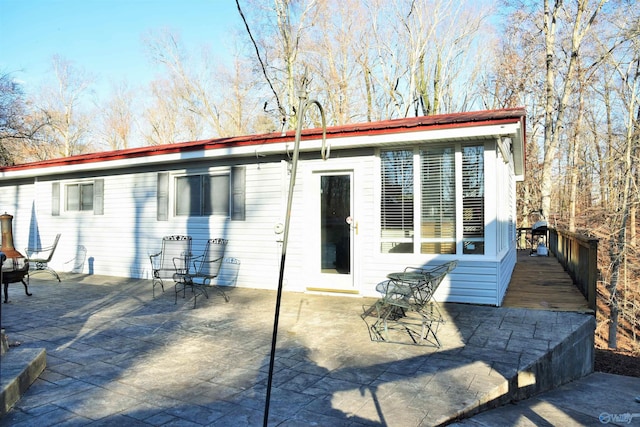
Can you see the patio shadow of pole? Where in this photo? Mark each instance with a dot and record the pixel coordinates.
(303, 105)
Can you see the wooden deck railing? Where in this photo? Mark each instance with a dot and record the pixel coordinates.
(578, 255)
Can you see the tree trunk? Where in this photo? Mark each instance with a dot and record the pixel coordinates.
(575, 162)
(555, 111)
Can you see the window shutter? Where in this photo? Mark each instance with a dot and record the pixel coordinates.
(438, 206)
(396, 209)
(55, 199)
(163, 196)
(238, 193)
(98, 197)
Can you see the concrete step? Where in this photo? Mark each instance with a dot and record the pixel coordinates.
(571, 359)
(20, 368)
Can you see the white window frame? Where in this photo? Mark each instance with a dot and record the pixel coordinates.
(416, 237)
(97, 197)
(200, 173)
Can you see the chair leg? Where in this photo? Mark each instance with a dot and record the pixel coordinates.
(178, 290)
(26, 288)
(202, 291)
(52, 271)
(156, 282)
(40, 267)
(221, 292)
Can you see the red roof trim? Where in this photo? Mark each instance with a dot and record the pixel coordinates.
(414, 124)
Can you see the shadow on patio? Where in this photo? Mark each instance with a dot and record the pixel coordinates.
(117, 355)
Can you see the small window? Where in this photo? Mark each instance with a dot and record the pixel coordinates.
(79, 197)
(202, 195)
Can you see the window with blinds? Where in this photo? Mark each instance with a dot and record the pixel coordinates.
(438, 201)
(396, 209)
(449, 205)
(473, 199)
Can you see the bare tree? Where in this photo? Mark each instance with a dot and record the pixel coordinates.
(12, 124)
(336, 47)
(116, 118)
(161, 115)
(558, 94)
(628, 198)
(279, 32)
(192, 82)
(63, 105)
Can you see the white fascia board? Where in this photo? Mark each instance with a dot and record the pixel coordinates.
(480, 132)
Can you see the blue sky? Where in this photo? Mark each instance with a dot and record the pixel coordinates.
(104, 37)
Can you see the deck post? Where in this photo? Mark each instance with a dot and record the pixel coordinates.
(593, 273)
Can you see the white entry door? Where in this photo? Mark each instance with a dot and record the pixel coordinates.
(334, 243)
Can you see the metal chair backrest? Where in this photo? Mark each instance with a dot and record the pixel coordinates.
(423, 293)
(43, 255)
(207, 266)
(176, 250)
(229, 272)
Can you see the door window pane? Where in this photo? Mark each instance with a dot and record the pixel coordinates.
(335, 239)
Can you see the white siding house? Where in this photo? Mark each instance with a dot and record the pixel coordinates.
(397, 193)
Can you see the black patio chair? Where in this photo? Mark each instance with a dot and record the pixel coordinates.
(175, 253)
(407, 305)
(205, 268)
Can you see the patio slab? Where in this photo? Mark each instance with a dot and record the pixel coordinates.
(115, 355)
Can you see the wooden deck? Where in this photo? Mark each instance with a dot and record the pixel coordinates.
(541, 283)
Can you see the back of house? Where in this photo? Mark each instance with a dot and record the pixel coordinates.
(410, 192)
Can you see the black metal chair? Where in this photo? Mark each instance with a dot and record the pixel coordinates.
(175, 249)
(40, 257)
(205, 268)
(408, 306)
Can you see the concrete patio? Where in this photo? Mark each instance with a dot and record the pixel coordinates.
(116, 356)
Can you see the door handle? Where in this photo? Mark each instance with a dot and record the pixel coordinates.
(349, 220)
